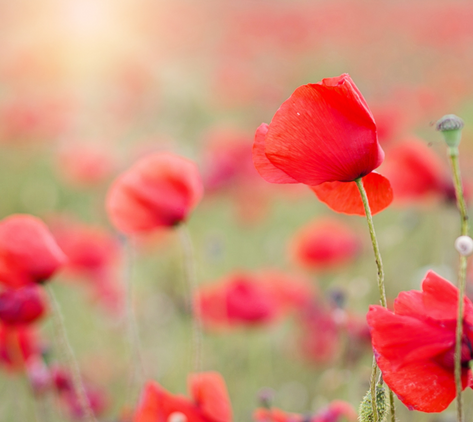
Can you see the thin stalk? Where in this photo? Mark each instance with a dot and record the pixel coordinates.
(453, 154)
(69, 356)
(191, 279)
(381, 288)
(374, 368)
(136, 376)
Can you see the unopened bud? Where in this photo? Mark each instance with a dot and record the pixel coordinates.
(464, 245)
(451, 127)
(177, 417)
(382, 407)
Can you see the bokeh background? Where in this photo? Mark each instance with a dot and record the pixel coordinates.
(89, 86)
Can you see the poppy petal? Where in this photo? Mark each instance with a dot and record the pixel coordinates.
(323, 133)
(265, 168)
(422, 385)
(210, 395)
(345, 197)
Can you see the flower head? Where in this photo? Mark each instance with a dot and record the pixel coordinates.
(415, 344)
(324, 133)
(160, 190)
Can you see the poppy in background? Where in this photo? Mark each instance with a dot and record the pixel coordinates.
(23, 305)
(28, 251)
(93, 254)
(336, 411)
(17, 345)
(325, 244)
(251, 299)
(209, 401)
(416, 173)
(160, 190)
(415, 345)
(325, 136)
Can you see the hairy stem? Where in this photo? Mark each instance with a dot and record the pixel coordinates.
(191, 279)
(453, 154)
(381, 288)
(70, 359)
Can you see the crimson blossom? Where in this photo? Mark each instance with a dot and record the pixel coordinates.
(325, 136)
(415, 345)
(209, 402)
(28, 251)
(160, 190)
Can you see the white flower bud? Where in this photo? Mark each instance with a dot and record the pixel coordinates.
(464, 245)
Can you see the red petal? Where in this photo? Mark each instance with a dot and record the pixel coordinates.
(402, 338)
(157, 404)
(160, 190)
(264, 167)
(422, 385)
(323, 133)
(345, 197)
(210, 395)
(275, 415)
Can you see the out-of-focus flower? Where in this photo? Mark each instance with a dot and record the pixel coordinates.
(251, 298)
(23, 305)
(39, 374)
(62, 383)
(209, 401)
(416, 173)
(325, 136)
(92, 254)
(336, 411)
(84, 165)
(325, 244)
(415, 345)
(158, 191)
(17, 345)
(28, 251)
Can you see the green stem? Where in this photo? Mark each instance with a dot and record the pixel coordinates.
(374, 406)
(453, 154)
(70, 358)
(381, 288)
(191, 278)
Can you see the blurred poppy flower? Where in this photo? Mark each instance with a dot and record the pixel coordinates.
(22, 306)
(92, 254)
(336, 411)
(325, 244)
(160, 190)
(28, 251)
(251, 299)
(416, 173)
(17, 345)
(209, 401)
(325, 136)
(64, 387)
(415, 345)
(84, 165)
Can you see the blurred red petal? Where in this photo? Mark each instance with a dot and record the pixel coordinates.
(345, 197)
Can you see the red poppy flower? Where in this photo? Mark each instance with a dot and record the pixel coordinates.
(417, 173)
(336, 411)
(325, 244)
(17, 345)
(415, 345)
(28, 251)
(325, 136)
(251, 298)
(23, 305)
(160, 190)
(209, 402)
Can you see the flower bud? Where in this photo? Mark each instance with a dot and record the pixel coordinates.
(451, 127)
(464, 245)
(382, 407)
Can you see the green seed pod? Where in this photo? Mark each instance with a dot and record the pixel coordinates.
(451, 128)
(382, 406)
